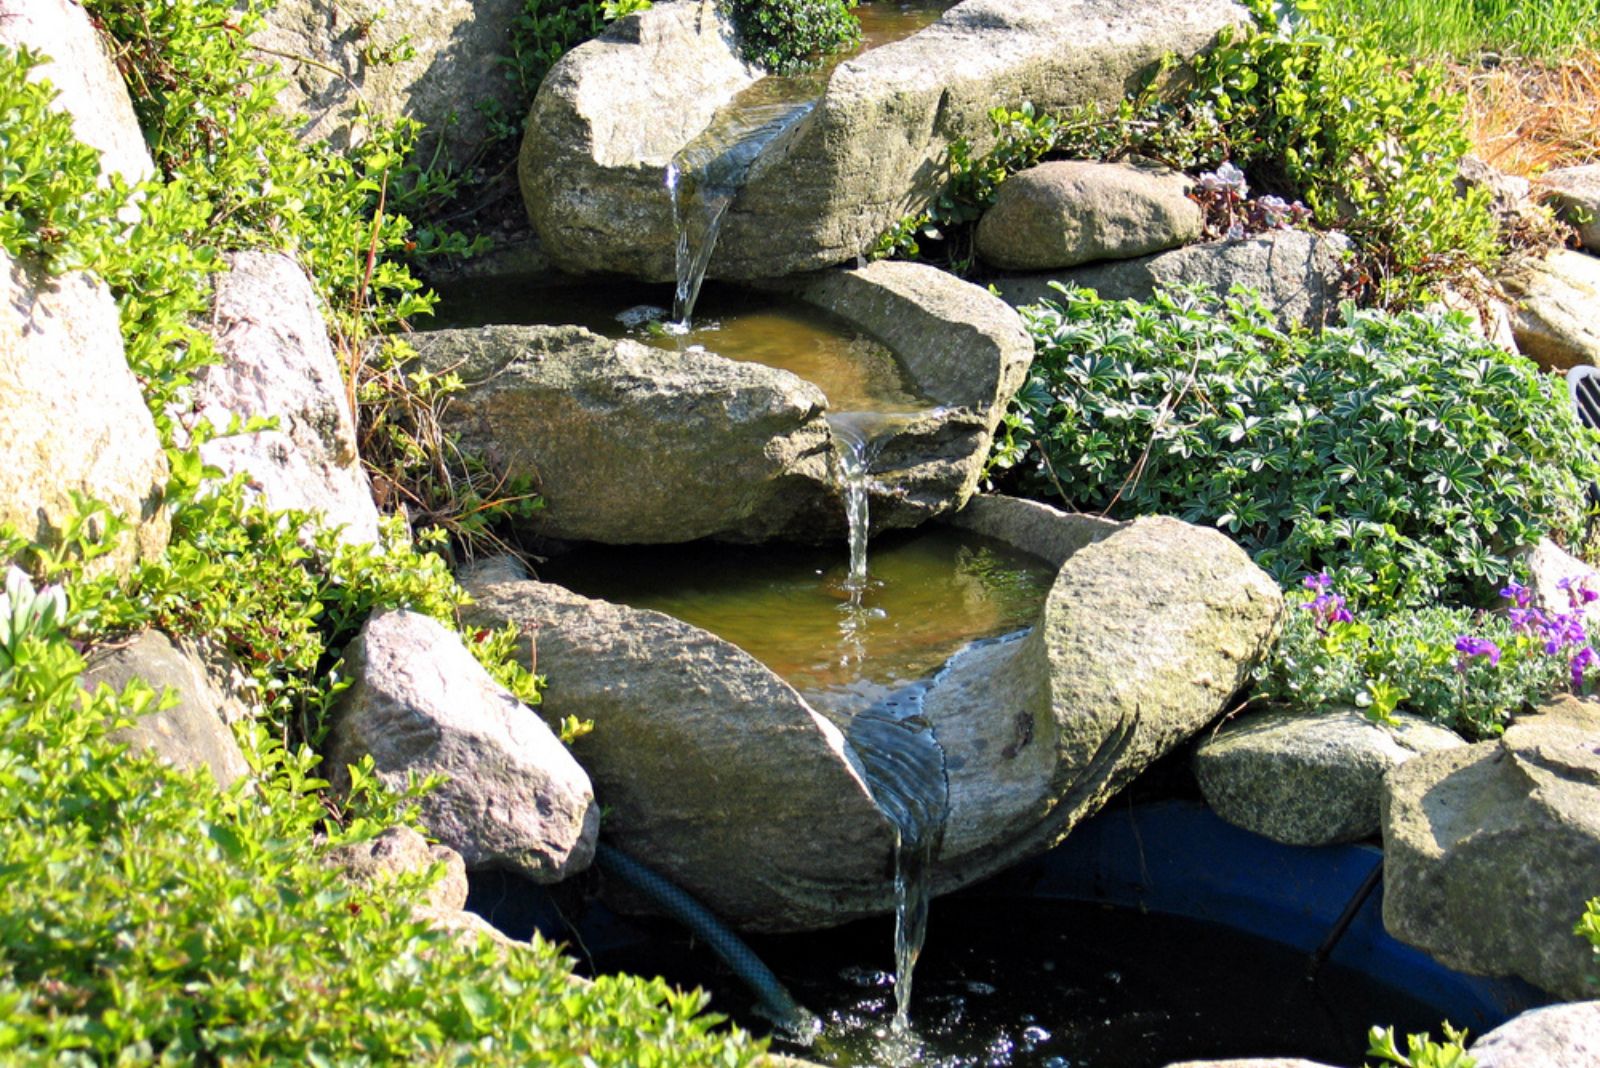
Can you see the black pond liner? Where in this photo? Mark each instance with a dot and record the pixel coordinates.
(1155, 933)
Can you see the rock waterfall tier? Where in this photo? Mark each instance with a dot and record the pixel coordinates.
(615, 112)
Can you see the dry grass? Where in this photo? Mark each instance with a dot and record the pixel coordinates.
(1527, 116)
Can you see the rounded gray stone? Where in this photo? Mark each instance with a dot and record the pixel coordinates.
(1557, 1036)
(1556, 310)
(1575, 194)
(1069, 212)
(1308, 777)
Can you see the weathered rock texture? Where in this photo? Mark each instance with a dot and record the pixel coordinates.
(1549, 566)
(712, 770)
(1575, 194)
(633, 444)
(1308, 778)
(1069, 212)
(85, 77)
(1490, 850)
(1558, 1036)
(277, 361)
(1556, 318)
(962, 348)
(72, 416)
(192, 733)
(430, 60)
(1148, 631)
(612, 115)
(1299, 275)
(419, 703)
(401, 851)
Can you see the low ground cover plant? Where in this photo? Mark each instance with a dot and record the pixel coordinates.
(1401, 453)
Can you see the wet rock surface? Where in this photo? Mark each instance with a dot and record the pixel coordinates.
(1308, 777)
(1491, 849)
(277, 361)
(1070, 212)
(419, 703)
(1299, 275)
(72, 415)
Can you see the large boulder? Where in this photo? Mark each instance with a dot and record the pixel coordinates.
(633, 444)
(1575, 194)
(193, 732)
(72, 416)
(440, 62)
(1556, 317)
(712, 770)
(614, 113)
(1490, 851)
(1149, 630)
(1036, 731)
(1557, 1036)
(85, 77)
(420, 704)
(1069, 212)
(277, 361)
(1298, 275)
(1308, 777)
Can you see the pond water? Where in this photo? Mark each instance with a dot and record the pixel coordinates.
(1053, 984)
(853, 371)
(928, 594)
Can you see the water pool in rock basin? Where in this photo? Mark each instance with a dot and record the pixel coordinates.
(930, 592)
(1053, 984)
(853, 371)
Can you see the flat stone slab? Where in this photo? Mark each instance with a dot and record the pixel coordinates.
(1308, 777)
(1299, 275)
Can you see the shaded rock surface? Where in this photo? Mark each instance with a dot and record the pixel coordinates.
(1308, 777)
(192, 733)
(712, 770)
(401, 850)
(433, 61)
(1557, 1036)
(1556, 313)
(1299, 275)
(72, 415)
(419, 703)
(1147, 632)
(960, 346)
(1575, 194)
(85, 77)
(277, 361)
(632, 444)
(871, 151)
(1068, 212)
(1491, 849)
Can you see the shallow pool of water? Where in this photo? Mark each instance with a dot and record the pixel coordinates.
(1052, 984)
(928, 594)
(853, 371)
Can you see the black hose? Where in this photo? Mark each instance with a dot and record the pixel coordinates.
(773, 999)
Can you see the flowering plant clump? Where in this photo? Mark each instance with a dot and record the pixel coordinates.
(1224, 198)
(1467, 669)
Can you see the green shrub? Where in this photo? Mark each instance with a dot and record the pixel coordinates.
(148, 918)
(1589, 927)
(788, 36)
(1403, 453)
(1368, 144)
(1421, 1050)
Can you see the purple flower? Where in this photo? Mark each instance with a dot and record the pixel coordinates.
(1320, 581)
(1469, 647)
(1584, 658)
(1578, 592)
(1326, 607)
(1517, 593)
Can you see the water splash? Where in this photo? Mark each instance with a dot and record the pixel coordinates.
(858, 439)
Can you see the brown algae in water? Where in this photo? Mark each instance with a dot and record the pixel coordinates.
(929, 594)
